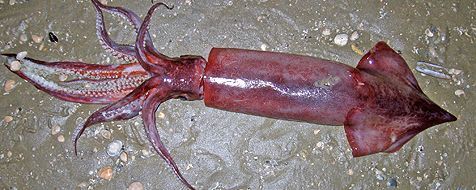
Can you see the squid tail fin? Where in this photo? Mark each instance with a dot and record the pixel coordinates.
(396, 109)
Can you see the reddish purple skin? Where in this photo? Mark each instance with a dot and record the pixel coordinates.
(379, 102)
(395, 108)
(103, 72)
(279, 85)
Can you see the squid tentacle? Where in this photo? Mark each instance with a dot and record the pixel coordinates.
(127, 15)
(153, 63)
(88, 83)
(120, 51)
(126, 108)
(80, 69)
(148, 116)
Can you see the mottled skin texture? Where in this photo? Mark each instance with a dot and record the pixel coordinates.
(393, 107)
(85, 74)
(379, 102)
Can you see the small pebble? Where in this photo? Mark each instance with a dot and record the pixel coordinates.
(104, 2)
(356, 49)
(8, 119)
(9, 154)
(350, 172)
(55, 129)
(354, 36)
(264, 47)
(114, 148)
(135, 186)
(15, 65)
(392, 182)
(429, 33)
(316, 131)
(9, 85)
(37, 39)
(62, 77)
(105, 173)
(145, 152)
(454, 71)
(459, 93)
(189, 166)
(23, 37)
(326, 32)
(161, 115)
(83, 185)
(106, 134)
(60, 138)
(341, 39)
(12, 2)
(379, 175)
(21, 55)
(124, 157)
(319, 144)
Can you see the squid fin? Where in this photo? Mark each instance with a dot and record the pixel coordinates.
(393, 113)
(384, 60)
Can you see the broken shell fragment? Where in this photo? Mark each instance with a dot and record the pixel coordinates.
(55, 129)
(459, 92)
(433, 70)
(106, 134)
(9, 85)
(114, 148)
(8, 119)
(105, 173)
(61, 138)
(341, 39)
(135, 186)
(37, 39)
(124, 157)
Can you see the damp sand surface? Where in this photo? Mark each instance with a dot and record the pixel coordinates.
(222, 150)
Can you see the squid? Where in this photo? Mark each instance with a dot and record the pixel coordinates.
(379, 102)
